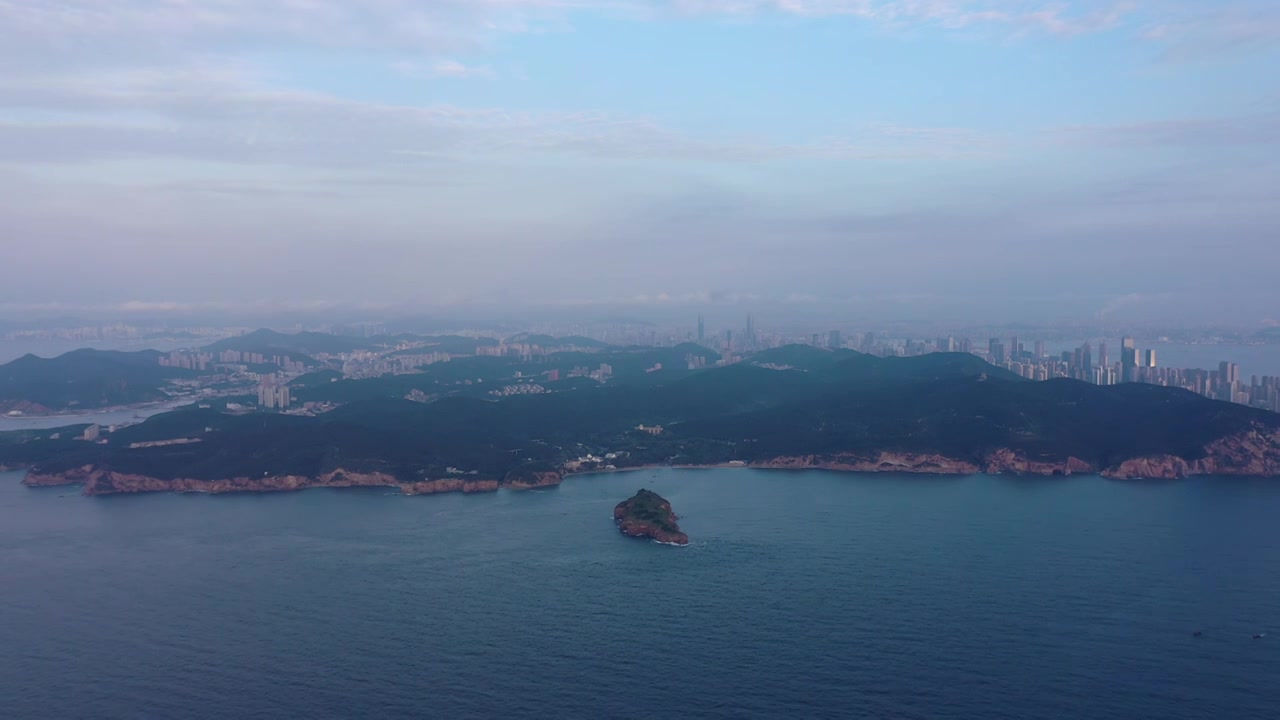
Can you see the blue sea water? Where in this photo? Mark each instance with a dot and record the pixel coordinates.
(802, 595)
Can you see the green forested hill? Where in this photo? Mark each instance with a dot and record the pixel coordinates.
(85, 379)
(952, 405)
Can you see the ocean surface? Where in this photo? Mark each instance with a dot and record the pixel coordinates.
(803, 594)
(118, 416)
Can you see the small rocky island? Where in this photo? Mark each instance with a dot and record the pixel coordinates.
(648, 515)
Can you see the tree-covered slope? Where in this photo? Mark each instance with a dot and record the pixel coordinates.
(951, 406)
(84, 379)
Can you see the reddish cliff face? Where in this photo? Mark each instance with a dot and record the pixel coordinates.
(431, 487)
(649, 515)
(26, 407)
(74, 476)
(103, 482)
(111, 482)
(1007, 461)
(879, 462)
(530, 481)
(1252, 453)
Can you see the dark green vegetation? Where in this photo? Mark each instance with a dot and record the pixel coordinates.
(91, 379)
(824, 403)
(650, 508)
(84, 379)
(966, 418)
(21, 448)
(477, 376)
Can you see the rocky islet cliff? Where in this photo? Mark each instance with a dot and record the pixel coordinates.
(649, 515)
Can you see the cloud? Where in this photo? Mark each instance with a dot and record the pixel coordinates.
(1252, 130)
(443, 69)
(1198, 31)
(455, 69)
(1059, 18)
(85, 30)
(65, 27)
(41, 33)
(224, 113)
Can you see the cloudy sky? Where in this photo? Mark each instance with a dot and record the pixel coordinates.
(1006, 158)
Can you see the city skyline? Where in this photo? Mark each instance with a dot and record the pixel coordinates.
(1033, 358)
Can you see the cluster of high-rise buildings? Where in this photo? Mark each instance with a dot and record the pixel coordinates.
(284, 362)
(187, 360)
(528, 351)
(367, 364)
(1089, 363)
(273, 396)
(600, 374)
(196, 360)
(1134, 365)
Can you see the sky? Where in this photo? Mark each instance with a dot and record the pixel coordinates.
(982, 160)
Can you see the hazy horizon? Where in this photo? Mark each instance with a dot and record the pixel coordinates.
(926, 160)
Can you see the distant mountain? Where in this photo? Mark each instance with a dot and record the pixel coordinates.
(304, 344)
(938, 414)
(453, 344)
(802, 357)
(270, 342)
(84, 379)
(549, 341)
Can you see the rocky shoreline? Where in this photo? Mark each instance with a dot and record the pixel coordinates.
(1251, 454)
(97, 481)
(649, 515)
(1254, 453)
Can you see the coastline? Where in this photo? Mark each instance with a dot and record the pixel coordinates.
(120, 415)
(1251, 454)
(89, 412)
(96, 481)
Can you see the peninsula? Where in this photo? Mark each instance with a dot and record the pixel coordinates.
(649, 515)
(790, 407)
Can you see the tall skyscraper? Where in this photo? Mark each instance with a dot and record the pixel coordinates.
(701, 330)
(1102, 355)
(1230, 372)
(1149, 358)
(1015, 349)
(751, 333)
(1039, 349)
(1128, 360)
(833, 340)
(995, 352)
